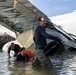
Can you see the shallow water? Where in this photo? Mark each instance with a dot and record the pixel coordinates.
(63, 64)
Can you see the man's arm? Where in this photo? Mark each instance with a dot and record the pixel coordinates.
(48, 35)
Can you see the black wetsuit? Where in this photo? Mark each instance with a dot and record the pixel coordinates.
(22, 58)
(16, 49)
(18, 57)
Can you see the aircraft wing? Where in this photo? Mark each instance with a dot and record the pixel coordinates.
(19, 15)
(22, 16)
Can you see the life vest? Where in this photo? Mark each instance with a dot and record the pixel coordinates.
(30, 53)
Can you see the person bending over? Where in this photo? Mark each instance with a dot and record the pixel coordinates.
(15, 47)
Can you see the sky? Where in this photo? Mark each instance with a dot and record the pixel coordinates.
(55, 7)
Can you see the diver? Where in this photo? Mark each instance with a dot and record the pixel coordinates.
(20, 53)
(14, 47)
(22, 56)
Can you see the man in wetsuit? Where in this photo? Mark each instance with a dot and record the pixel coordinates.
(15, 47)
(40, 41)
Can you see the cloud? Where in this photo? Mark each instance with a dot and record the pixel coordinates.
(59, 7)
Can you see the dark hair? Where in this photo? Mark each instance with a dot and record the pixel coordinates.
(39, 19)
(12, 43)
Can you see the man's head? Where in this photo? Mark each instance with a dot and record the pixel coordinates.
(23, 51)
(12, 45)
(42, 21)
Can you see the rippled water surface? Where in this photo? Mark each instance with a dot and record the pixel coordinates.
(64, 64)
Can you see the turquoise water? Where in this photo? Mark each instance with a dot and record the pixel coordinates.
(64, 64)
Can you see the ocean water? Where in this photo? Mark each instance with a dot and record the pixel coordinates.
(64, 64)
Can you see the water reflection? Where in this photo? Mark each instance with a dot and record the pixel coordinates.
(22, 68)
(65, 63)
(3, 64)
(62, 64)
(19, 68)
(11, 67)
